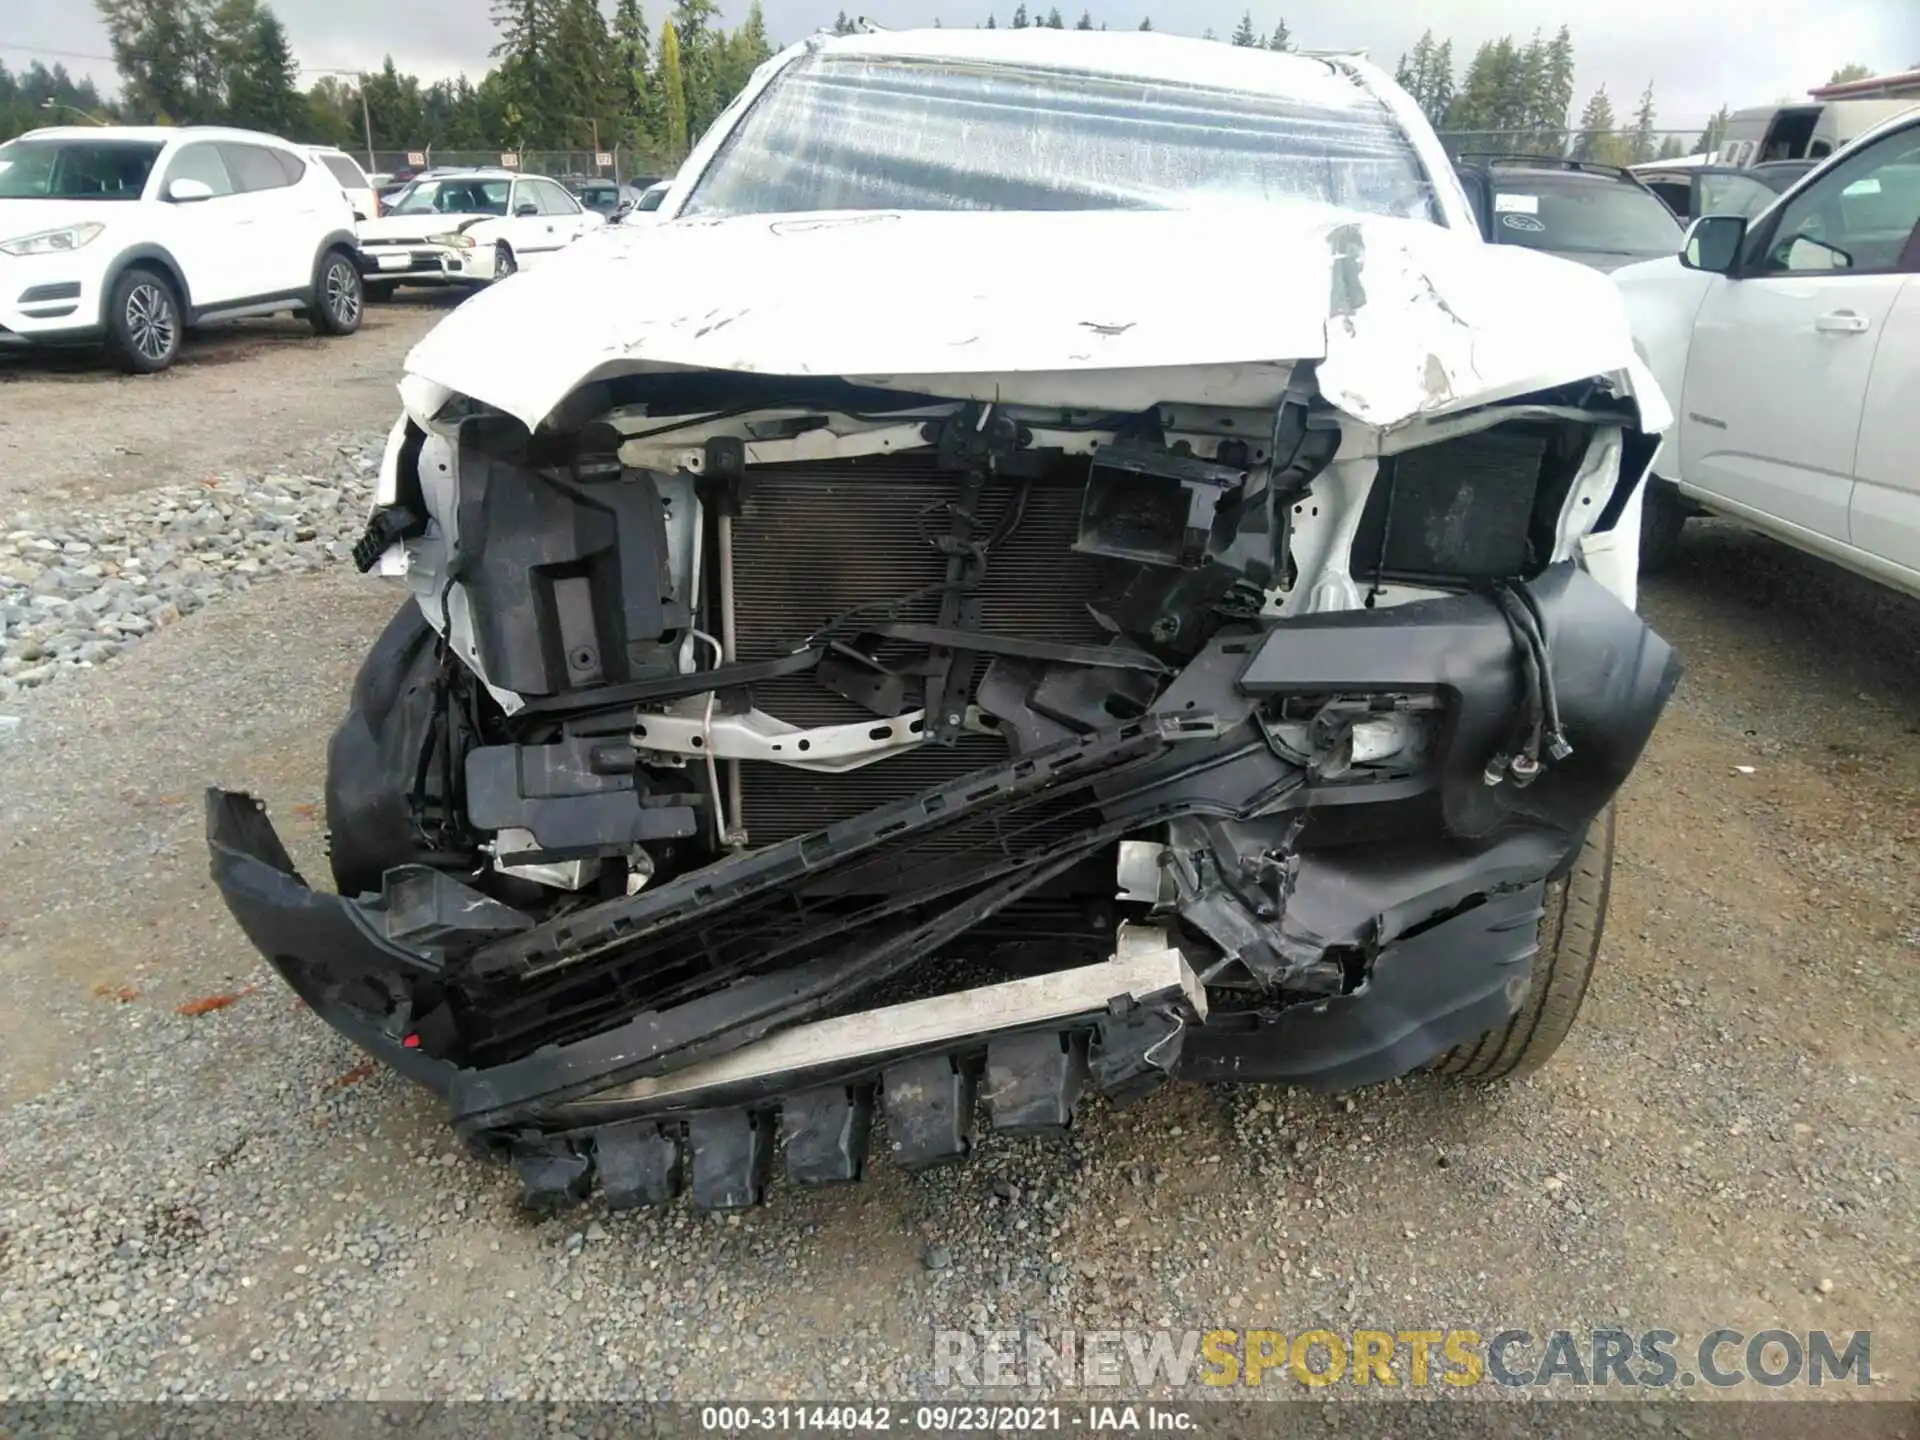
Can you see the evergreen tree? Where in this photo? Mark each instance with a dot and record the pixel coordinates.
(1280, 39)
(1641, 145)
(672, 83)
(1085, 21)
(1054, 19)
(992, 24)
(1146, 24)
(842, 25)
(260, 77)
(1596, 140)
(1715, 133)
(1671, 148)
(632, 88)
(1020, 16)
(1243, 32)
(526, 36)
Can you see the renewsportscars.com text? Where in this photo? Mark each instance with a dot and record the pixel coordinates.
(1647, 1359)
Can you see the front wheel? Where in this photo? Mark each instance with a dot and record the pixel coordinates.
(503, 262)
(1576, 913)
(337, 305)
(144, 323)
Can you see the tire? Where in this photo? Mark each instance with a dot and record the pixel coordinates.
(503, 262)
(1663, 514)
(1576, 913)
(145, 324)
(378, 291)
(339, 298)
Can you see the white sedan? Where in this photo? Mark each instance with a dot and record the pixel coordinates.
(1789, 347)
(469, 228)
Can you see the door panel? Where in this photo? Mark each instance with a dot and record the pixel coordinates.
(1886, 495)
(1776, 380)
(284, 217)
(214, 240)
(1777, 375)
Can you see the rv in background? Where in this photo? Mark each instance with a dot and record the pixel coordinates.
(1801, 132)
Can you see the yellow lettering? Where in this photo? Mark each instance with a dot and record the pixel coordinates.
(1373, 1357)
(1266, 1350)
(1420, 1345)
(1463, 1349)
(1336, 1358)
(1216, 1349)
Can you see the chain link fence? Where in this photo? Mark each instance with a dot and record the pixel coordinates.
(1607, 147)
(619, 162)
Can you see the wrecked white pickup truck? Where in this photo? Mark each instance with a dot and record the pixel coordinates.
(1062, 562)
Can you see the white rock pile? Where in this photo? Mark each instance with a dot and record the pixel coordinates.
(77, 587)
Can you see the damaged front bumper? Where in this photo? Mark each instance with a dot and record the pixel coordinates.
(1355, 920)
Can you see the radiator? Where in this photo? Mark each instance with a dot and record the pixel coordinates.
(814, 541)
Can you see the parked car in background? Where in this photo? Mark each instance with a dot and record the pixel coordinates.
(606, 198)
(1168, 557)
(1789, 347)
(1715, 189)
(360, 190)
(1599, 215)
(648, 205)
(469, 227)
(127, 235)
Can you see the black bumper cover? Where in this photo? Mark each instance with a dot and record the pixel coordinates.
(1478, 856)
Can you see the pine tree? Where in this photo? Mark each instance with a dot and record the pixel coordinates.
(1672, 147)
(1055, 21)
(1085, 21)
(1243, 32)
(632, 90)
(672, 83)
(263, 79)
(1280, 39)
(992, 24)
(1641, 144)
(526, 34)
(1716, 131)
(842, 25)
(1556, 90)
(1596, 140)
(1146, 24)
(1020, 16)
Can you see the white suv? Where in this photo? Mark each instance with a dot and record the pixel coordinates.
(127, 235)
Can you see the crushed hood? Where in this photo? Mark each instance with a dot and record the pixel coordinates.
(1117, 309)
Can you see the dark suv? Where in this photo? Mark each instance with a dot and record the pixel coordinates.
(1599, 215)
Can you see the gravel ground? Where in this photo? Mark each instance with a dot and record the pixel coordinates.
(252, 398)
(229, 1203)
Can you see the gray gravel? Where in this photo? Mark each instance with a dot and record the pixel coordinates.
(232, 1204)
(77, 585)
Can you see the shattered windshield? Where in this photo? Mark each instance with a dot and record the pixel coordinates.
(76, 169)
(1574, 213)
(856, 132)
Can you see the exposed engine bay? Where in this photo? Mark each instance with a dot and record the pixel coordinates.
(732, 707)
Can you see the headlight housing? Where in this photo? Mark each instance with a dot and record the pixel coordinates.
(52, 242)
(457, 242)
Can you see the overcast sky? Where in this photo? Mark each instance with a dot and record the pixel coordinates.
(1698, 53)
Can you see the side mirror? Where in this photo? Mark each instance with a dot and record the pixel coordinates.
(526, 207)
(185, 192)
(1714, 243)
